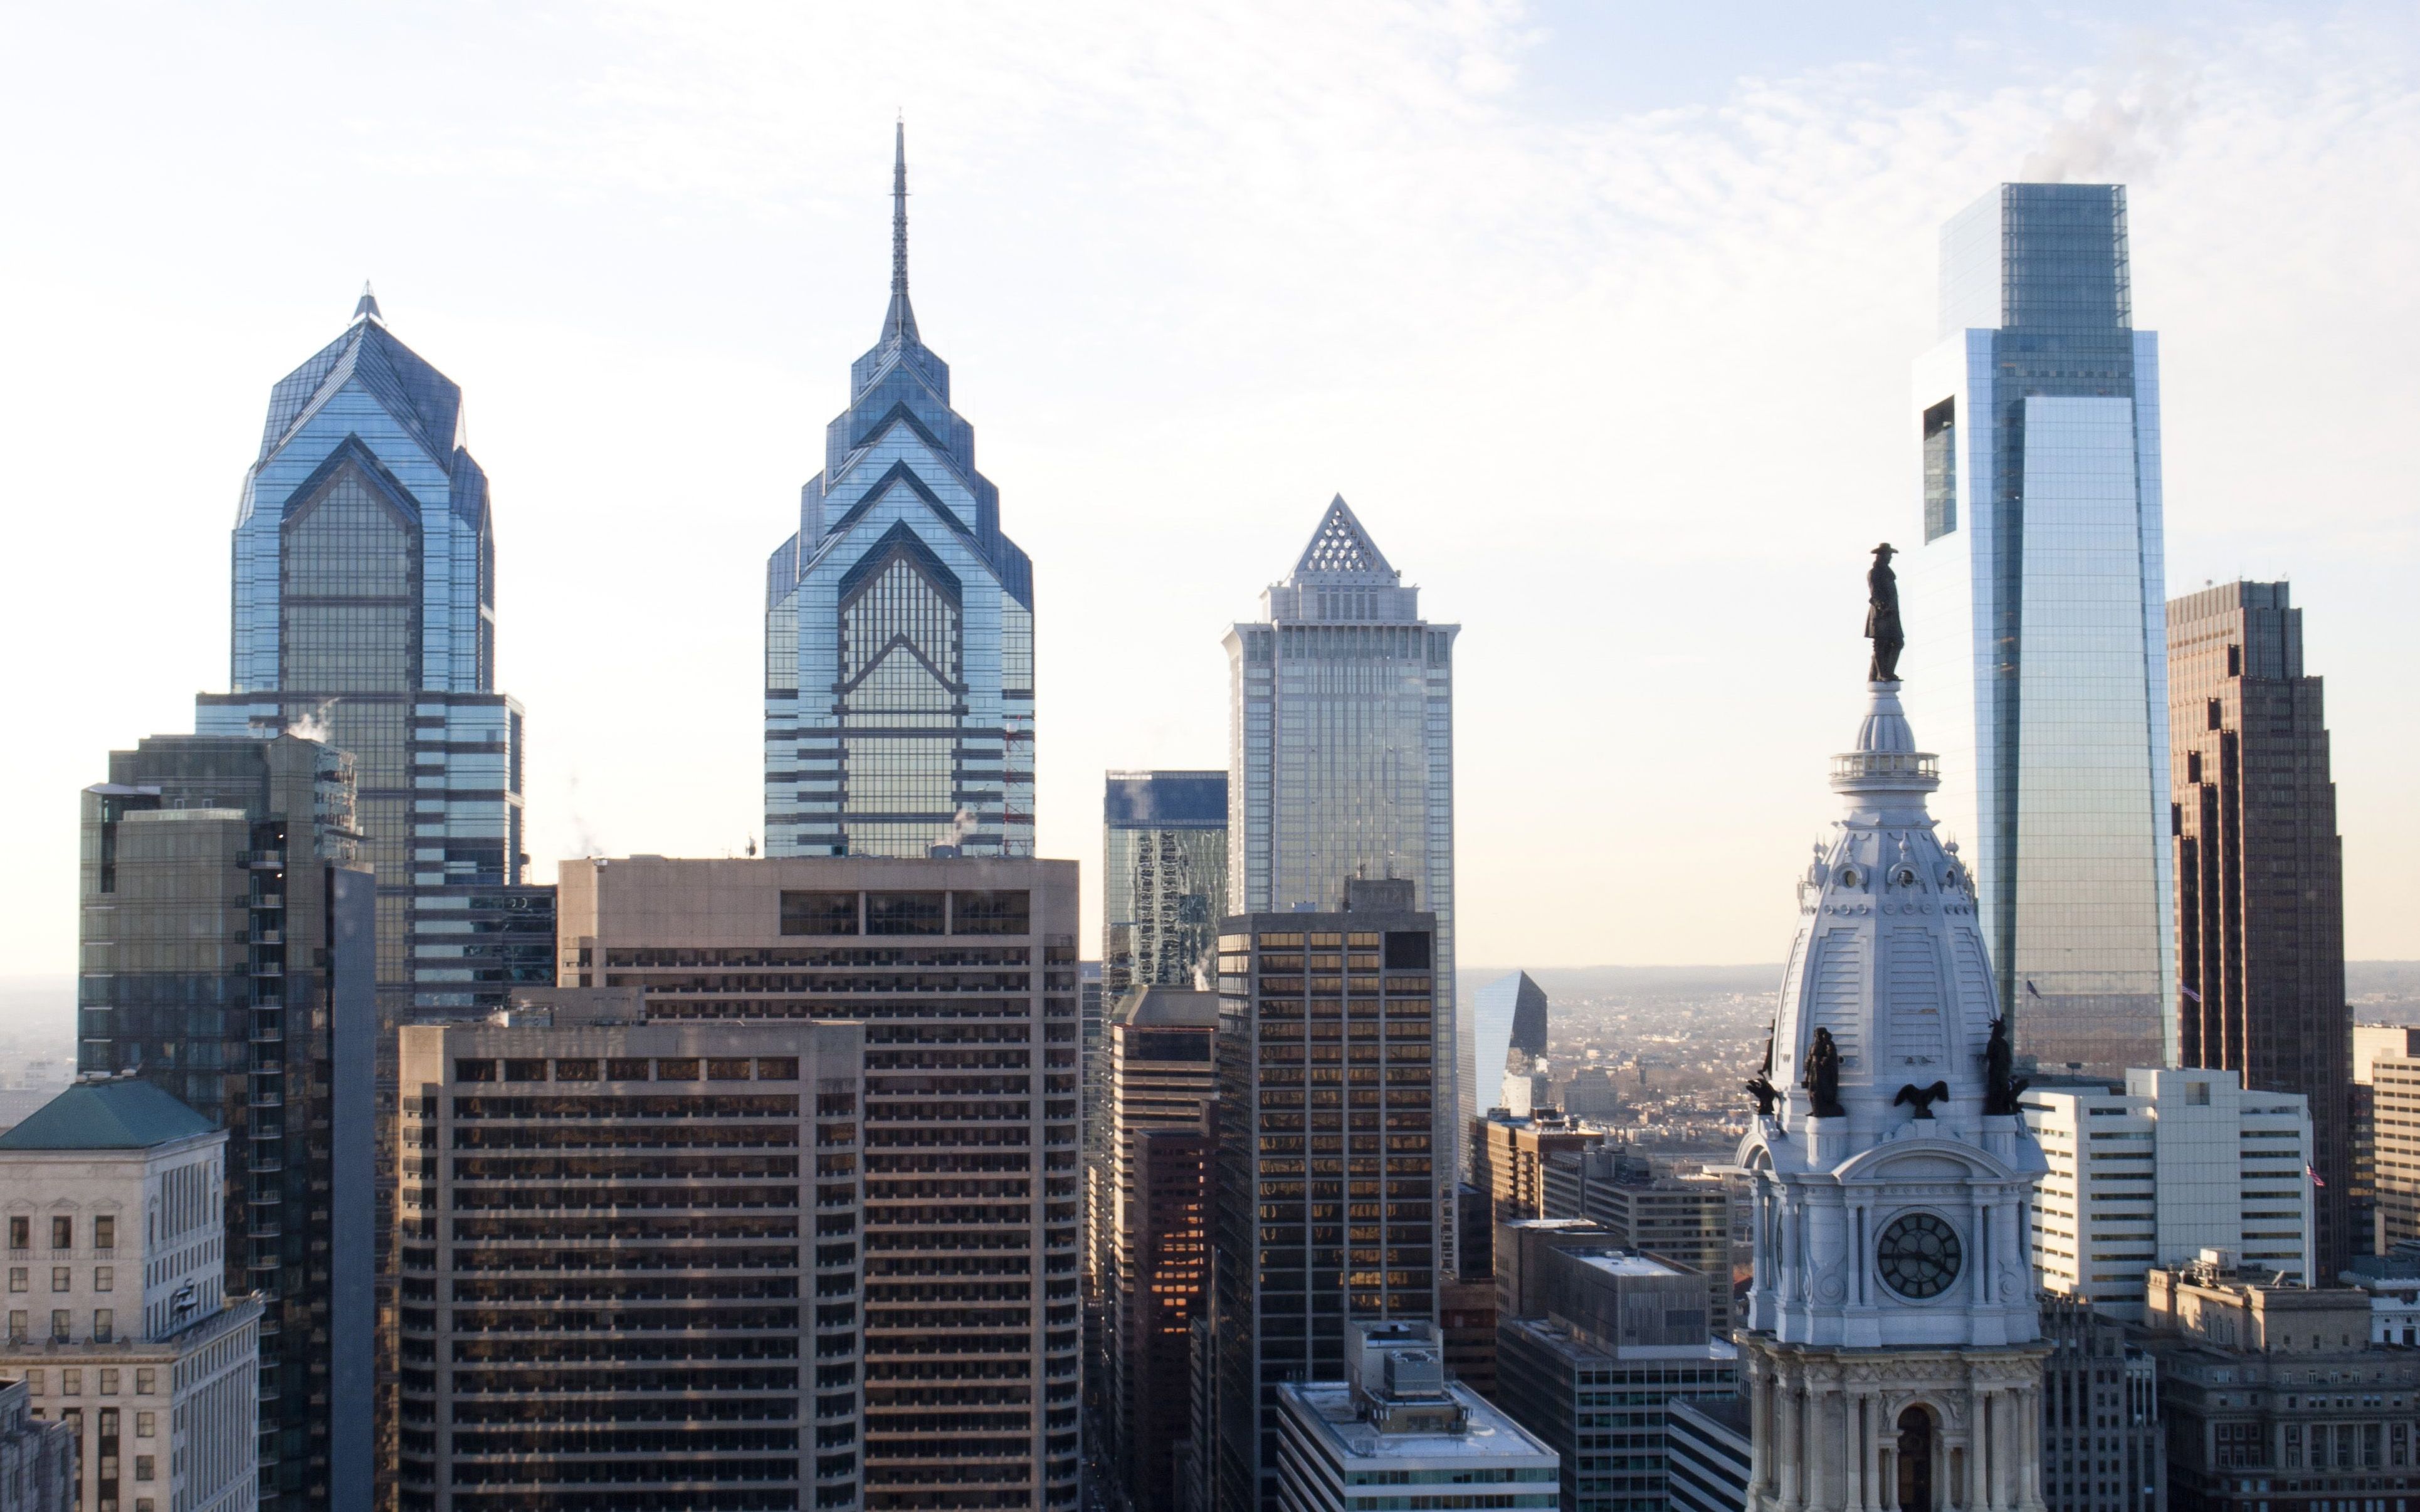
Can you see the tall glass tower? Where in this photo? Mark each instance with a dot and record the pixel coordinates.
(365, 617)
(2035, 618)
(1341, 757)
(899, 624)
(1164, 877)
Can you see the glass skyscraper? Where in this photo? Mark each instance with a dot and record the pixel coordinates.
(1507, 1015)
(899, 625)
(2034, 613)
(365, 616)
(1341, 752)
(1164, 882)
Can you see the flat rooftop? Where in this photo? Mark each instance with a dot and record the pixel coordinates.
(1490, 1438)
(1635, 1265)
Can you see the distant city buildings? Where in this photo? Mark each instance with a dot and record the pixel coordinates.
(898, 625)
(2036, 653)
(1507, 1038)
(2395, 1121)
(2178, 1161)
(1508, 1155)
(226, 932)
(1164, 878)
(1607, 1339)
(120, 1322)
(631, 1265)
(1326, 1179)
(963, 971)
(1341, 762)
(2260, 874)
(2372, 1042)
(1395, 1432)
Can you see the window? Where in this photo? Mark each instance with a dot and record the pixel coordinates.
(819, 913)
(17, 1279)
(20, 1233)
(903, 913)
(104, 1320)
(146, 1381)
(727, 1070)
(2235, 661)
(575, 1071)
(676, 1071)
(70, 1383)
(60, 1326)
(2213, 713)
(474, 1070)
(104, 1277)
(108, 1377)
(1408, 950)
(63, 1233)
(1005, 912)
(145, 1424)
(777, 1067)
(61, 1278)
(104, 1232)
(17, 1326)
(142, 1467)
(625, 1070)
(525, 1070)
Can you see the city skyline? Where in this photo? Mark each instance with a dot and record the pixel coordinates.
(603, 783)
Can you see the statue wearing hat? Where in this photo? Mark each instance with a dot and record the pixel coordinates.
(1882, 618)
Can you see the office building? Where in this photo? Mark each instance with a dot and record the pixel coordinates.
(1164, 877)
(2260, 874)
(1509, 1154)
(365, 616)
(1707, 1456)
(1341, 756)
(1467, 1332)
(226, 956)
(2393, 1283)
(2180, 1162)
(2369, 1043)
(964, 972)
(1395, 1427)
(1521, 1246)
(1571, 1176)
(1892, 1341)
(2272, 1395)
(632, 1267)
(1327, 1186)
(2034, 612)
(1163, 1081)
(1589, 1093)
(120, 1323)
(1504, 1044)
(38, 1458)
(2100, 1446)
(898, 625)
(2395, 1124)
(1683, 1219)
(1611, 1338)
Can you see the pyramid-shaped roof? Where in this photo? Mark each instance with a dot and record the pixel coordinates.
(423, 401)
(122, 1113)
(1341, 552)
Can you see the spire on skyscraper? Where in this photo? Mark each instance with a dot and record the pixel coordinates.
(1341, 551)
(900, 324)
(367, 305)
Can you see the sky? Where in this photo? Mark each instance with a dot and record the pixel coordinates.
(1600, 317)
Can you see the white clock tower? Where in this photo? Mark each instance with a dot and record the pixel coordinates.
(1892, 1337)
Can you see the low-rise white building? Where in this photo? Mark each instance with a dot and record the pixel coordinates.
(114, 1198)
(1396, 1433)
(2178, 1161)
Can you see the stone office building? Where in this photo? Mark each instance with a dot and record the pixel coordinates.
(631, 1266)
(963, 971)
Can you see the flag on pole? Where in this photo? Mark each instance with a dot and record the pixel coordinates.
(2315, 1178)
(2031, 988)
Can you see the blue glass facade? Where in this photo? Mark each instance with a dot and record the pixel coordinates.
(2035, 618)
(364, 614)
(899, 625)
(1508, 1013)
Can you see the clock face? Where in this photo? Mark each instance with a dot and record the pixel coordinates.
(1918, 1256)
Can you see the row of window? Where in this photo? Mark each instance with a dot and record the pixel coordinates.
(104, 1232)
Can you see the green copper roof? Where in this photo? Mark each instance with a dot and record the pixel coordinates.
(124, 1113)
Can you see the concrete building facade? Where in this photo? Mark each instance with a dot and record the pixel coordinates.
(2101, 1450)
(120, 1324)
(1396, 1432)
(632, 1270)
(2178, 1161)
(963, 971)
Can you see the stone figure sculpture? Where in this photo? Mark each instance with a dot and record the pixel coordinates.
(1761, 1085)
(2001, 1086)
(1882, 618)
(1822, 1082)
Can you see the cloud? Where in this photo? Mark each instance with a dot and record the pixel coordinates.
(2118, 132)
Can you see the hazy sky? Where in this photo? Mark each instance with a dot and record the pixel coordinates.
(1600, 317)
